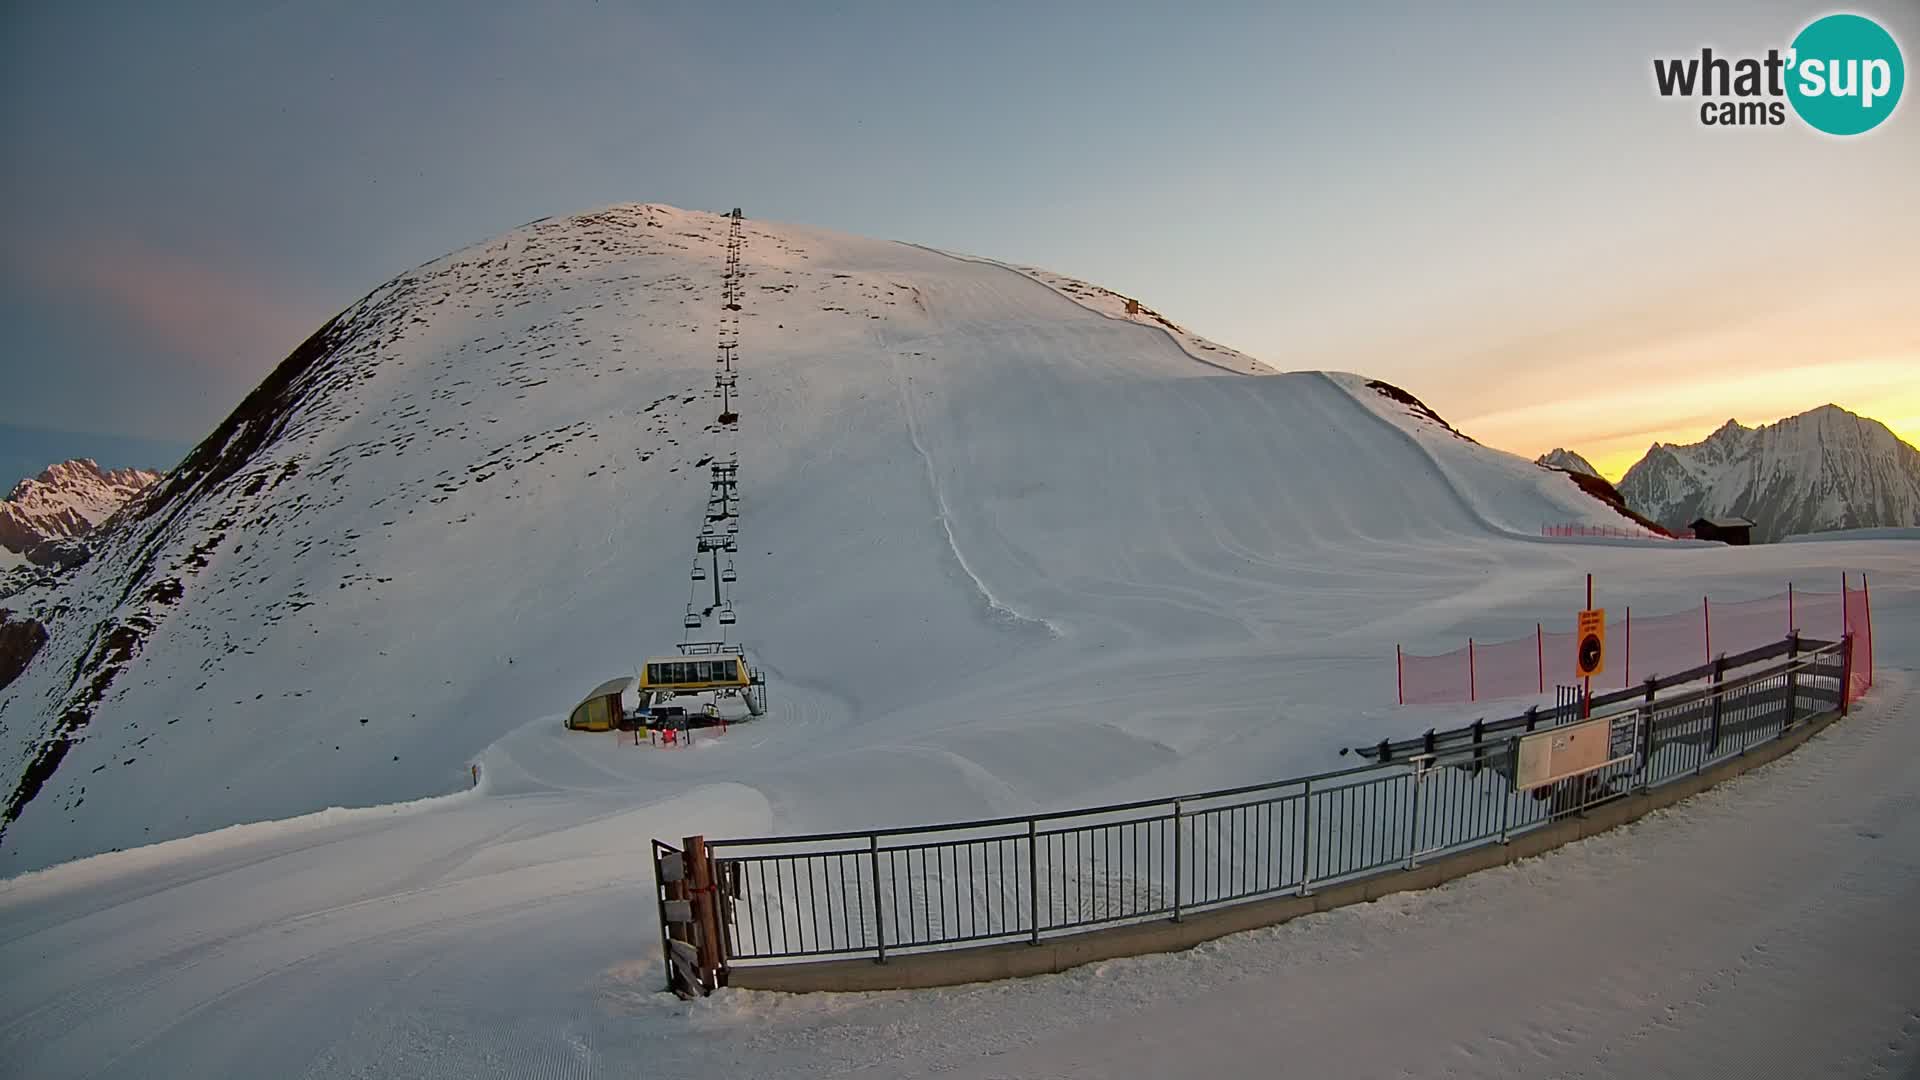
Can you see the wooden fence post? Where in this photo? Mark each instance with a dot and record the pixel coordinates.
(706, 913)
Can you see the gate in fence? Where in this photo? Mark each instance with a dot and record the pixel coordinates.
(885, 892)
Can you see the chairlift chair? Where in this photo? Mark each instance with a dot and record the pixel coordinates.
(692, 621)
(726, 615)
(728, 574)
(699, 570)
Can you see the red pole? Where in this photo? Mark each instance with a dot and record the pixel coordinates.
(1586, 685)
(1473, 689)
(1540, 655)
(1399, 676)
(1706, 621)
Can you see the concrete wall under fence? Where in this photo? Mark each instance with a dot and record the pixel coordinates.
(952, 967)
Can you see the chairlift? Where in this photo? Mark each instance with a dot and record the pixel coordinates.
(726, 615)
(692, 621)
(699, 570)
(728, 574)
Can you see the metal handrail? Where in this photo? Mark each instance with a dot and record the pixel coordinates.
(957, 884)
(1399, 747)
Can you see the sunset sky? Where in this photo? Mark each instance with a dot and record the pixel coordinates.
(1496, 212)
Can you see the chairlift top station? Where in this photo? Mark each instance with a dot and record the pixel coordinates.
(716, 667)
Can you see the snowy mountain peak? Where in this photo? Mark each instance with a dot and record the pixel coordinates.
(1827, 468)
(67, 500)
(1562, 458)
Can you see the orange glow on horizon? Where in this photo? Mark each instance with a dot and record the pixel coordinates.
(1614, 428)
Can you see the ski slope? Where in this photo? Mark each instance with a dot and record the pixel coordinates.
(978, 514)
(1001, 551)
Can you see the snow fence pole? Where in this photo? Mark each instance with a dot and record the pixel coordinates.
(1473, 690)
(1540, 655)
(1789, 607)
(1399, 676)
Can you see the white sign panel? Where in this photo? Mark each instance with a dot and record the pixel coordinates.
(1557, 753)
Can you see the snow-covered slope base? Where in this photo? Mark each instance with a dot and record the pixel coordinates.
(1000, 548)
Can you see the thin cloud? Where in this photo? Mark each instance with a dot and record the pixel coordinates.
(217, 321)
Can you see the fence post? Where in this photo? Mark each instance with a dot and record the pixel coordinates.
(1646, 739)
(1176, 860)
(705, 916)
(1713, 728)
(1793, 682)
(1513, 771)
(1846, 672)
(1479, 754)
(1033, 880)
(879, 923)
(1706, 626)
(1473, 692)
(1306, 837)
(1413, 813)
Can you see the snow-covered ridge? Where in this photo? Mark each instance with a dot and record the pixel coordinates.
(67, 500)
(1821, 470)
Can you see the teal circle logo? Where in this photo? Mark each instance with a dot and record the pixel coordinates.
(1845, 74)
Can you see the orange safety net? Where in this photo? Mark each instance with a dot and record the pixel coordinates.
(1641, 648)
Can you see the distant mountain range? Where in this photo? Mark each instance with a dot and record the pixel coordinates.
(65, 502)
(1823, 469)
(1561, 458)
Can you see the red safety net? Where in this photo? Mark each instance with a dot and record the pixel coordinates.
(1642, 647)
(1858, 606)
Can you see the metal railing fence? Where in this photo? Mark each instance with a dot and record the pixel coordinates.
(913, 889)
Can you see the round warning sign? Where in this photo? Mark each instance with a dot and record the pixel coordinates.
(1590, 657)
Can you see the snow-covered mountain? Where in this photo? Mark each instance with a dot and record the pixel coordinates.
(1823, 469)
(1562, 458)
(993, 531)
(66, 501)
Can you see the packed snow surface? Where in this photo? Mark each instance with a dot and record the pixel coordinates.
(1002, 551)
